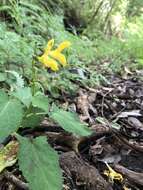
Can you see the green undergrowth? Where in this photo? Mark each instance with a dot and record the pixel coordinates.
(124, 51)
(26, 26)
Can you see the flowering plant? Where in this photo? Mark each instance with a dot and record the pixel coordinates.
(50, 57)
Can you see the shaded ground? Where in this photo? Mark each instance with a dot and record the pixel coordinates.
(115, 113)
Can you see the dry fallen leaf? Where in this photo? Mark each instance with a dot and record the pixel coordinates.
(8, 155)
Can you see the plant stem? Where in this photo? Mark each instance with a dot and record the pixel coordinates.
(33, 77)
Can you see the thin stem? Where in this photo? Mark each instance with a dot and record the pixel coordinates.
(33, 85)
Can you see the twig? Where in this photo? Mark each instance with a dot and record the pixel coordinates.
(103, 100)
(125, 141)
(131, 175)
(20, 184)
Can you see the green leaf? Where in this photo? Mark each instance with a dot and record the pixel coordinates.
(116, 125)
(70, 122)
(11, 114)
(34, 118)
(24, 95)
(19, 80)
(3, 97)
(102, 120)
(39, 164)
(2, 77)
(41, 101)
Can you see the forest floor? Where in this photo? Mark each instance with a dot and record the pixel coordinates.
(115, 114)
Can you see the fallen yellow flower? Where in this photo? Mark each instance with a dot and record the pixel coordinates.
(50, 57)
(112, 174)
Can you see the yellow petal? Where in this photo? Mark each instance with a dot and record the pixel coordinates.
(112, 174)
(48, 62)
(52, 64)
(59, 57)
(63, 45)
(49, 46)
(42, 58)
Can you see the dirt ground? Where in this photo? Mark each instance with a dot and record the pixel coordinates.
(112, 157)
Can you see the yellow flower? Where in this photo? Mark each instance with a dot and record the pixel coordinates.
(49, 62)
(112, 174)
(59, 57)
(50, 57)
(49, 46)
(63, 45)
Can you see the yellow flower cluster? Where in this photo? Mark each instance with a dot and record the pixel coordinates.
(50, 57)
(112, 174)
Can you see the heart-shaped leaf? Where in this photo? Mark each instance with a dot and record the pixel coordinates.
(11, 114)
(39, 164)
(70, 122)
